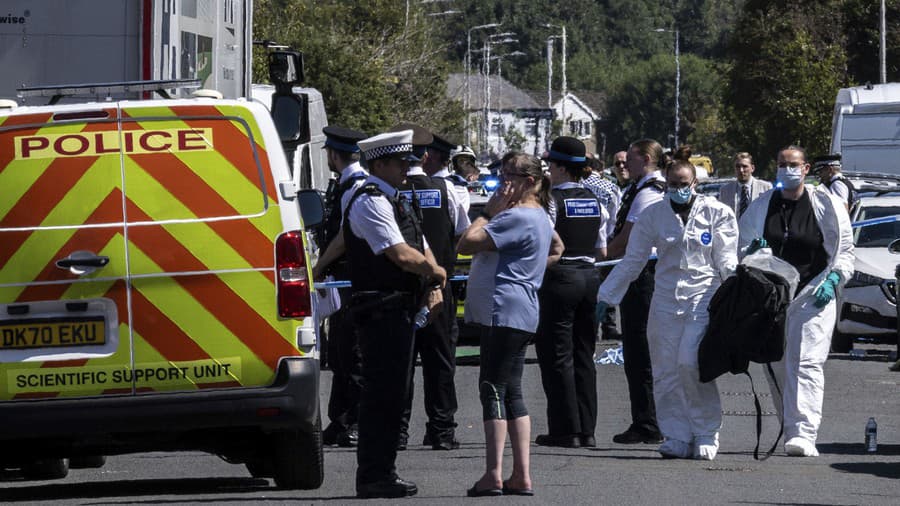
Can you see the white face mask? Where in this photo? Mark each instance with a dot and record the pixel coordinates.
(790, 177)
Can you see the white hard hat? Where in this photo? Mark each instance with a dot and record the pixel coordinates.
(462, 151)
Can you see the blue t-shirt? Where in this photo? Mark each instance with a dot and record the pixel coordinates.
(503, 284)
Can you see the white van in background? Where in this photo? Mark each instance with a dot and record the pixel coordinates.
(866, 128)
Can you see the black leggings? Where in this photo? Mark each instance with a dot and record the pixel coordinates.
(500, 374)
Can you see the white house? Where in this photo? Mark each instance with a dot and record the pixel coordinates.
(579, 120)
(515, 118)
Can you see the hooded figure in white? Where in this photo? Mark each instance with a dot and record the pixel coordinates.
(694, 257)
(811, 315)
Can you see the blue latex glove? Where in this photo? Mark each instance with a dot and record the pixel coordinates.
(825, 292)
(600, 312)
(756, 245)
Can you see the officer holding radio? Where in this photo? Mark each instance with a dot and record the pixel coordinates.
(390, 264)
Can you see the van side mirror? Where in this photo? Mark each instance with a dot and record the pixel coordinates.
(894, 247)
(285, 68)
(312, 208)
(290, 112)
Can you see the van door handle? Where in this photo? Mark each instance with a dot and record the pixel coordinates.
(82, 262)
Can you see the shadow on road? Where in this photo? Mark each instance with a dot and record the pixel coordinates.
(856, 449)
(154, 488)
(879, 469)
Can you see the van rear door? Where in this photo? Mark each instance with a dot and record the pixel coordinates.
(63, 303)
(202, 219)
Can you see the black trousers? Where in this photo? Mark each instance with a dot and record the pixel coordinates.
(635, 309)
(345, 362)
(386, 342)
(436, 345)
(565, 343)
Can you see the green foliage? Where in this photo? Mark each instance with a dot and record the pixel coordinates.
(788, 65)
(374, 68)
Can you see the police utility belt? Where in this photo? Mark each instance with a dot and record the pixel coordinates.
(372, 303)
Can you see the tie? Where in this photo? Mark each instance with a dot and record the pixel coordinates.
(745, 200)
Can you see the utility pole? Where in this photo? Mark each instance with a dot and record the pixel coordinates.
(467, 102)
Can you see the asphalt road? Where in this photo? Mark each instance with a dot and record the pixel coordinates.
(609, 474)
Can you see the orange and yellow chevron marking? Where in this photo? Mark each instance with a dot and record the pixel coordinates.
(183, 319)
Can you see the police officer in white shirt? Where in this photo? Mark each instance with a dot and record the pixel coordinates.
(393, 274)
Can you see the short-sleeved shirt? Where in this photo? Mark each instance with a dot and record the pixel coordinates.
(503, 284)
(354, 170)
(458, 216)
(372, 218)
(645, 198)
(460, 197)
(839, 189)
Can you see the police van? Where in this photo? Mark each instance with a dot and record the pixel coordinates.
(154, 289)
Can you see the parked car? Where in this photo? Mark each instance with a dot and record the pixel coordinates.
(868, 304)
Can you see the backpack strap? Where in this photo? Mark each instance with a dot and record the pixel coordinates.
(759, 416)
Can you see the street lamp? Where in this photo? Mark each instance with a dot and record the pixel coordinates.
(466, 100)
(677, 79)
(550, 72)
(492, 40)
(500, 58)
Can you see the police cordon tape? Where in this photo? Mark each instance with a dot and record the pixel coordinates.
(606, 263)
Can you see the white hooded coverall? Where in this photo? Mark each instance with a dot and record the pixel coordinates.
(808, 329)
(693, 260)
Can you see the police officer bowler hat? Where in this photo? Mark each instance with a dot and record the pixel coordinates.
(342, 139)
(566, 149)
(823, 161)
(393, 144)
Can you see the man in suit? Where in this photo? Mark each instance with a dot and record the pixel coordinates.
(738, 194)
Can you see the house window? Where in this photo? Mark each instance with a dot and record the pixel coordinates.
(587, 129)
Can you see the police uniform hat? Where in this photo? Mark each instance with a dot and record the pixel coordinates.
(442, 145)
(462, 151)
(342, 139)
(823, 161)
(566, 149)
(421, 137)
(394, 144)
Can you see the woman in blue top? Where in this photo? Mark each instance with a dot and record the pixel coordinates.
(511, 246)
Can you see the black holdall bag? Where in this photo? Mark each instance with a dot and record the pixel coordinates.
(747, 323)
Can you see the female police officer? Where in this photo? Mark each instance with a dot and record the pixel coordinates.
(390, 263)
(568, 328)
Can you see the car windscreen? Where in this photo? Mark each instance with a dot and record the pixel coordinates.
(880, 235)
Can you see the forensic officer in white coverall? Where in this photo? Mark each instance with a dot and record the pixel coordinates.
(696, 241)
(810, 229)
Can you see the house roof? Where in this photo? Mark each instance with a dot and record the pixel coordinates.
(504, 95)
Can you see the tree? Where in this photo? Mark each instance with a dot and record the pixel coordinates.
(788, 63)
(374, 67)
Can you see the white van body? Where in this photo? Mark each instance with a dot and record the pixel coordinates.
(866, 128)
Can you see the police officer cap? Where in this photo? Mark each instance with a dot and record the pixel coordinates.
(394, 144)
(442, 145)
(566, 149)
(342, 139)
(827, 160)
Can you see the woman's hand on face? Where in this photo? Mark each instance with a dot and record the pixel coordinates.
(501, 200)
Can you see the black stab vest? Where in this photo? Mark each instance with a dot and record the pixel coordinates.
(578, 220)
(371, 272)
(431, 200)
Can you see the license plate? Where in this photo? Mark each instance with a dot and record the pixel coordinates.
(52, 332)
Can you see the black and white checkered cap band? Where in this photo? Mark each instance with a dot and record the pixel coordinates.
(390, 149)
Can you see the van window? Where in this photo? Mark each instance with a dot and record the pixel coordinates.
(192, 169)
(59, 175)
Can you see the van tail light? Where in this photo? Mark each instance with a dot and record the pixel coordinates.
(291, 279)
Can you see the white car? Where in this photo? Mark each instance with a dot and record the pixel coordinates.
(868, 305)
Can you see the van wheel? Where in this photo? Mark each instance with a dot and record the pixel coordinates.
(297, 460)
(87, 462)
(46, 469)
(840, 342)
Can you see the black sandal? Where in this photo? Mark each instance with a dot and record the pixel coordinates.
(517, 491)
(488, 492)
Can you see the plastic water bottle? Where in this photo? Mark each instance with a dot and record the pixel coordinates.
(871, 436)
(421, 317)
